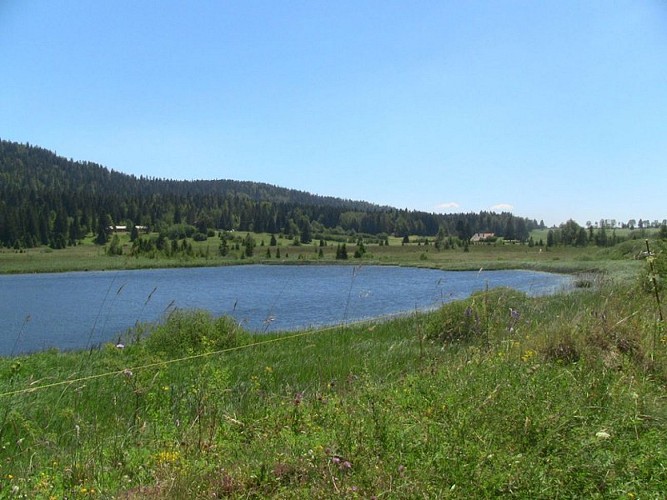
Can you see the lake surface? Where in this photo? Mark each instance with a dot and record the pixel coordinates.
(83, 309)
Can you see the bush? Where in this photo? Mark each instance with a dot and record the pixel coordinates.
(180, 231)
(563, 351)
(189, 332)
(464, 320)
(455, 321)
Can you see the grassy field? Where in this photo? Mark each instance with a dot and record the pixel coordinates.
(497, 395)
(88, 256)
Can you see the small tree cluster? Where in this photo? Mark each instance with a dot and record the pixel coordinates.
(341, 252)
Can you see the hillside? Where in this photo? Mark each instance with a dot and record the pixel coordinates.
(46, 199)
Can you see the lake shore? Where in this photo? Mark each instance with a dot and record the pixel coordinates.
(90, 257)
(496, 395)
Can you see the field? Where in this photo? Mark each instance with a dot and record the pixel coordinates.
(88, 256)
(498, 395)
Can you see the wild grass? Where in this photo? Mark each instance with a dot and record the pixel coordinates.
(88, 256)
(497, 395)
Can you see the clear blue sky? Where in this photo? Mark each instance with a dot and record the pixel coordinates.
(550, 109)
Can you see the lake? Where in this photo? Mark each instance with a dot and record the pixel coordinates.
(79, 310)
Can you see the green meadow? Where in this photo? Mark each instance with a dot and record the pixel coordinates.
(499, 395)
(419, 252)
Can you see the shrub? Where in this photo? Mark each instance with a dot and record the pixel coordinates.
(464, 320)
(180, 231)
(455, 321)
(188, 332)
(562, 351)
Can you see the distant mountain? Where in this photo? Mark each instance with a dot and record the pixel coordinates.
(46, 199)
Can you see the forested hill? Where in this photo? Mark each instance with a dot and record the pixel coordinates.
(48, 199)
(31, 167)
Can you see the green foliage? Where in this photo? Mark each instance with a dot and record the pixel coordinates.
(654, 273)
(360, 250)
(189, 332)
(470, 319)
(103, 230)
(341, 252)
(249, 245)
(180, 231)
(115, 247)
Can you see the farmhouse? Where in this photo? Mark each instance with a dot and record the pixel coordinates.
(123, 229)
(483, 238)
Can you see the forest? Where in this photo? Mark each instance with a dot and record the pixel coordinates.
(46, 199)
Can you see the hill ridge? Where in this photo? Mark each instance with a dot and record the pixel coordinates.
(46, 199)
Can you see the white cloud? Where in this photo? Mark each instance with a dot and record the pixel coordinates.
(502, 207)
(450, 205)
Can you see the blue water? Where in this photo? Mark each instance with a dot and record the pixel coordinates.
(83, 309)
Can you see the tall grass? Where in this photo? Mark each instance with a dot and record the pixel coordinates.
(497, 395)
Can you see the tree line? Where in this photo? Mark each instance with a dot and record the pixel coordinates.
(46, 199)
(602, 235)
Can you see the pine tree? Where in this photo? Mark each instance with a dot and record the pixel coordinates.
(341, 252)
(249, 245)
(103, 228)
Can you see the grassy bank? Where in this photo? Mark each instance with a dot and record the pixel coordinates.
(88, 256)
(500, 394)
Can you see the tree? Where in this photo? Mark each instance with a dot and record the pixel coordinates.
(249, 245)
(75, 233)
(510, 230)
(60, 232)
(224, 247)
(570, 232)
(361, 249)
(582, 238)
(305, 231)
(341, 252)
(440, 238)
(550, 238)
(103, 229)
(115, 248)
(522, 232)
(601, 237)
